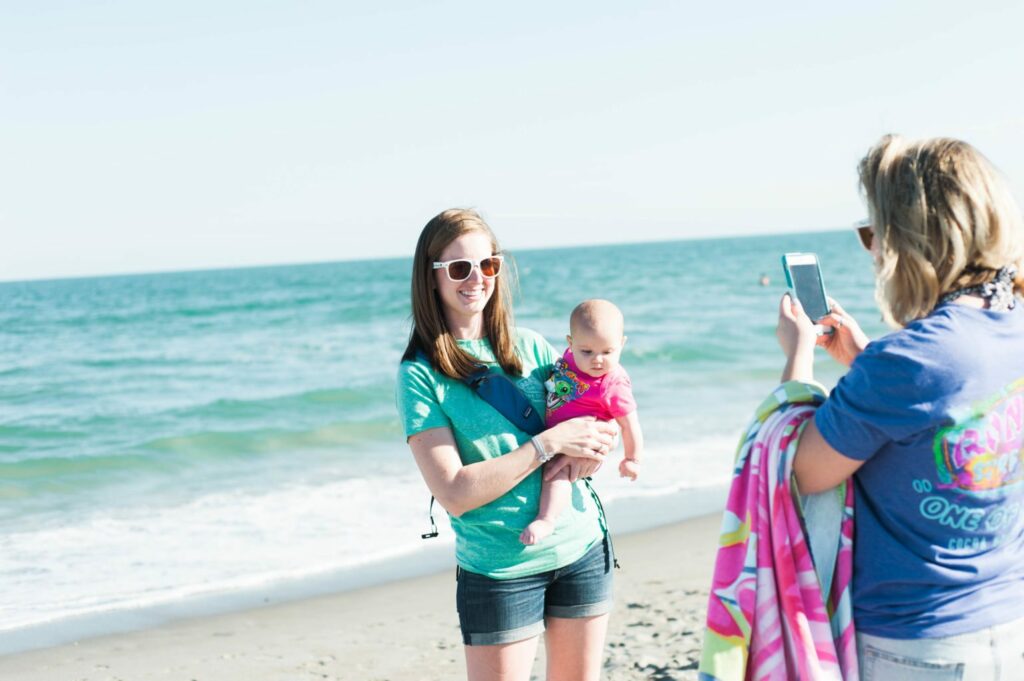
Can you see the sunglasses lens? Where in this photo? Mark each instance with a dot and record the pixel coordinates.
(459, 270)
(490, 267)
(866, 236)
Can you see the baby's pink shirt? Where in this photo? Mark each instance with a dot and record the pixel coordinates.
(572, 393)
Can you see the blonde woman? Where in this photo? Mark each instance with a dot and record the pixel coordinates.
(929, 419)
(486, 473)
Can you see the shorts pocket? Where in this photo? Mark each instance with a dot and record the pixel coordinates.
(881, 665)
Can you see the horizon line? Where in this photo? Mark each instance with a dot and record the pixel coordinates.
(310, 263)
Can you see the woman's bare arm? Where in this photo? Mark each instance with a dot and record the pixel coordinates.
(817, 465)
(462, 487)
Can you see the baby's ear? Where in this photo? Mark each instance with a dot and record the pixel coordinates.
(624, 339)
(568, 339)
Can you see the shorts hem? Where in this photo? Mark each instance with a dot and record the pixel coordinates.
(579, 611)
(493, 638)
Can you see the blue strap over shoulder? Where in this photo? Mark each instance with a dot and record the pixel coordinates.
(497, 390)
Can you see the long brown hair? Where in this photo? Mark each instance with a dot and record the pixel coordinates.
(944, 219)
(430, 335)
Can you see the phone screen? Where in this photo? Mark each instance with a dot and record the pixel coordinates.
(806, 281)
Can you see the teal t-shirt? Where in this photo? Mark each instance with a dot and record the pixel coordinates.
(487, 538)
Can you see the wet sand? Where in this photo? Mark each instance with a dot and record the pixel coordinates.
(403, 631)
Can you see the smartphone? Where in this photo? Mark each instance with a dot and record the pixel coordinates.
(803, 274)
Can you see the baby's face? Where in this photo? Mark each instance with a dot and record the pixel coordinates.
(597, 351)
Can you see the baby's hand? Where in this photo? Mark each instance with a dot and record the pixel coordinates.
(629, 469)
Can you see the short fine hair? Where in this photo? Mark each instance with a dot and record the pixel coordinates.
(943, 219)
(430, 335)
(593, 313)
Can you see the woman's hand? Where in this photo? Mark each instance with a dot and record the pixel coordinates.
(797, 337)
(847, 340)
(578, 468)
(584, 441)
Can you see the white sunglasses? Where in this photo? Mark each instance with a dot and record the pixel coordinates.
(459, 270)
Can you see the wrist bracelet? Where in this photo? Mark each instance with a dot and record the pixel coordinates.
(543, 456)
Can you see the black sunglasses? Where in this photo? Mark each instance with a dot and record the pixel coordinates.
(865, 232)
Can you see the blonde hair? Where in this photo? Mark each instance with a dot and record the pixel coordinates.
(943, 219)
(430, 335)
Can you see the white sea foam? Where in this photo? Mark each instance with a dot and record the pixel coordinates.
(134, 566)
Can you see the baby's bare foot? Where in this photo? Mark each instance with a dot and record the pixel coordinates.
(536, 531)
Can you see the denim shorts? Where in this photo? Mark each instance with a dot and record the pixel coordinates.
(493, 611)
(991, 654)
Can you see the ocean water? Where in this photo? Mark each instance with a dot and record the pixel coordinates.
(172, 444)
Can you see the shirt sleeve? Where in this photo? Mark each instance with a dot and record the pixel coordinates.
(619, 396)
(418, 407)
(880, 400)
(544, 354)
(548, 354)
(540, 351)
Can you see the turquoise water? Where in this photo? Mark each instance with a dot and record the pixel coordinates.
(182, 436)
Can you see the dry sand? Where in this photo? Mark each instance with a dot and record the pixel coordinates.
(402, 631)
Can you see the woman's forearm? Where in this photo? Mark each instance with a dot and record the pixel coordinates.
(799, 365)
(482, 482)
(464, 487)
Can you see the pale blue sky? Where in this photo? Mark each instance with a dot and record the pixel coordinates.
(152, 136)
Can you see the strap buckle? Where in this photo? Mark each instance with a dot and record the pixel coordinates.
(433, 525)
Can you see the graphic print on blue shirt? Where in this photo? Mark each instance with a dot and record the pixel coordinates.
(979, 458)
(564, 386)
(983, 451)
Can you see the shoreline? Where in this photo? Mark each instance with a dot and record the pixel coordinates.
(625, 514)
(405, 630)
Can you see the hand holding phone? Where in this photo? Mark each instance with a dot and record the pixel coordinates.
(803, 274)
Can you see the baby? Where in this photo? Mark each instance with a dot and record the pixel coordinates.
(588, 381)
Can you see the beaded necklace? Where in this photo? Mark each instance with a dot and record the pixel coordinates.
(998, 292)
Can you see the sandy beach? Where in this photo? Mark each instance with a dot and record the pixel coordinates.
(402, 631)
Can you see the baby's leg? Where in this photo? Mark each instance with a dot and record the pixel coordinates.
(554, 497)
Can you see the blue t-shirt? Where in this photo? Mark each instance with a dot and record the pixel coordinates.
(936, 411)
